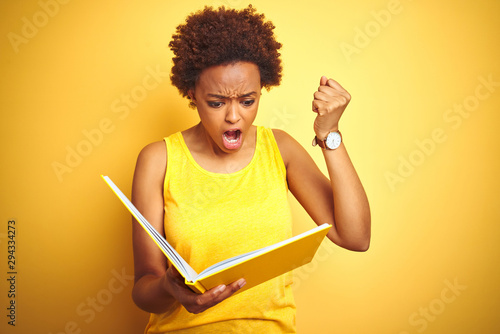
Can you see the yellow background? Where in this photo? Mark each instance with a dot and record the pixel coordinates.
(434, 206)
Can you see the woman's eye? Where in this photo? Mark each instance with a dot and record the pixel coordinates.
(214, 104)
(248, 103)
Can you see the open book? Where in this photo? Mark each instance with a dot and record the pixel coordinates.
(255, 267)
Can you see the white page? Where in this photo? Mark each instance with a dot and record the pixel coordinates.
(168, 250)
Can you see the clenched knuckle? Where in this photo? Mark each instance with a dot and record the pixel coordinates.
(198, 301)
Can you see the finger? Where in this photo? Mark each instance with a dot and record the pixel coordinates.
(327, 95)
(230, 290)
(215, 295)
(331, 98)
(331, 91)
(221, 292)
(320, 107)
(197, 303)
(320, 96)
(175, 272)
(175, 278)
(315, 106)
(323, 80)
(334, 84)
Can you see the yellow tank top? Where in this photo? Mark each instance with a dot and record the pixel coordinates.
(210, 217)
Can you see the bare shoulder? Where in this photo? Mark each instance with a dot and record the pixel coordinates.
(287, 145)
(154, 152)
(151, 162)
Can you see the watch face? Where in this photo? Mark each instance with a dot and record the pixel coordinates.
(333, 140)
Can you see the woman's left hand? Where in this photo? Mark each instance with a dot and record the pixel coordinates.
(330, 101)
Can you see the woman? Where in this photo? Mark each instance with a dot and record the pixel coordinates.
(219, 189)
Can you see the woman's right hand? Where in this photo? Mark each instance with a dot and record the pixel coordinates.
(157, 290)
(173, 282)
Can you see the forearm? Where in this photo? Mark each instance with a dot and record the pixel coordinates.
(351, 208)
(150, 294)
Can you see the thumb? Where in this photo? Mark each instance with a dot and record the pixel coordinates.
(323, 81)
(175, 272)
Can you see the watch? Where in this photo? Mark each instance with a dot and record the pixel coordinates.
(331, 142)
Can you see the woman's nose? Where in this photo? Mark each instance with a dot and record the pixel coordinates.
(232, 113)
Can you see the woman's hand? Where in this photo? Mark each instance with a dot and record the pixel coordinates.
(330, 101)
(159, 288)
(341, 200)
(193, 302)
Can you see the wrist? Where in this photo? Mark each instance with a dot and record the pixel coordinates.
(331, 141)
(322, 134)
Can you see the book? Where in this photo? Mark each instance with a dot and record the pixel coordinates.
(255, 267)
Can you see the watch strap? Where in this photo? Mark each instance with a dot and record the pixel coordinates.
(322, 142)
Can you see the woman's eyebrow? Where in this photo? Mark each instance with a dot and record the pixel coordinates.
(217, 96)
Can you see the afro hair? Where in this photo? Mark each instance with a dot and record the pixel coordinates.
(222, 36)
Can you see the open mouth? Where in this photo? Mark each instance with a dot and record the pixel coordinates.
(232, 139)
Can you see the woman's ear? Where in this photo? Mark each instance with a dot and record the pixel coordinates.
(191, 96)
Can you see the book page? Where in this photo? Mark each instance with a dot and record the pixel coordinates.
(256, 266)
(177, 261)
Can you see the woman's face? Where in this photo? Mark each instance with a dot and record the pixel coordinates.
(227, 99)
